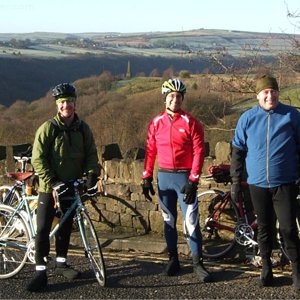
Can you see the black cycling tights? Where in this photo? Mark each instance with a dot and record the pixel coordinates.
(45, 215)
(282, 201)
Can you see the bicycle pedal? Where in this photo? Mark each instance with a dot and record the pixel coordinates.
(208, 229)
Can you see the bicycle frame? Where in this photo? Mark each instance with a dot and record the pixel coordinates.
(23, 206)
(224, 223)
(216, 215)
(76, 205)
(242, 222)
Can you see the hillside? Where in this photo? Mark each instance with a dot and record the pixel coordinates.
(164, 44)
(30, 79)
(119, 110)
(31, 63)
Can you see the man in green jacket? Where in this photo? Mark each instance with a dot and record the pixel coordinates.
(63, 150)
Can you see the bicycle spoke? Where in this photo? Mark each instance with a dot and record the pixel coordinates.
(14, 238)
(7, 197)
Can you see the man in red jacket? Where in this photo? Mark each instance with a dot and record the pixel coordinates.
(177, 138)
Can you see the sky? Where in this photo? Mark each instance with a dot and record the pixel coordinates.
(130, 16)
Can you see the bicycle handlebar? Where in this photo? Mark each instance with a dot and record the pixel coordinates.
(79, 186)
(22, 158)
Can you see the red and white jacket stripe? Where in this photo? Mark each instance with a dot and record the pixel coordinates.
(178, 143)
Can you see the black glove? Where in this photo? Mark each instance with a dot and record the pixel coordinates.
(92, 184)
(60, 187)
(190, 191)
(148, 187)
(234, 191)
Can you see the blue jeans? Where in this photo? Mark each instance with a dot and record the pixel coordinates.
(169, 187)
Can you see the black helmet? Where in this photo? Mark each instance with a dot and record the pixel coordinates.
(64, 90)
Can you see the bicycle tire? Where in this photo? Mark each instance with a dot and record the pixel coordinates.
(13, 199)
(218, 218)
(13, 242)
(92, 246)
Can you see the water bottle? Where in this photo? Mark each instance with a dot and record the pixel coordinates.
(28, 189)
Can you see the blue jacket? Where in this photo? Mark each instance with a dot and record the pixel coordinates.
(271, 140)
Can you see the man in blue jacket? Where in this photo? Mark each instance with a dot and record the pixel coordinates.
(267, 141)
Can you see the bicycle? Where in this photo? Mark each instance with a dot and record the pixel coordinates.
(17, 234)
(224, 224)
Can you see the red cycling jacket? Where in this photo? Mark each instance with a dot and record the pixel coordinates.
(178, 143)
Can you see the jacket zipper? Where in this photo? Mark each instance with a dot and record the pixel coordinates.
(171, 141)
(268, 147)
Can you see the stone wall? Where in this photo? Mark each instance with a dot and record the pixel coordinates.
(124, 208)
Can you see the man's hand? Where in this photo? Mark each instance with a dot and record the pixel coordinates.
(234, 191)
(60, 187)
(190, 192)
(92, 184)
(148, 187)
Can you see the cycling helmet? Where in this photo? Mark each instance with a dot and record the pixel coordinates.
(64, 90)
(173, 85)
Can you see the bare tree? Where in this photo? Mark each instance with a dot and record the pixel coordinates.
(293, 16)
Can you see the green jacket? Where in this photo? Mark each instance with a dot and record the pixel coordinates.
(63, 154)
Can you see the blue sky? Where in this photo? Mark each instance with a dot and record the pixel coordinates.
(71, 16)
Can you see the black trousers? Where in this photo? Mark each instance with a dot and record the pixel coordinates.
(45, 216)
(282, 201)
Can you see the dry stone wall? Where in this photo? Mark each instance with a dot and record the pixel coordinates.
(124, 208)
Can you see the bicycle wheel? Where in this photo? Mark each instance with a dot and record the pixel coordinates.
(9, 199)
(218, 218)
(92, 246)
(14, 238)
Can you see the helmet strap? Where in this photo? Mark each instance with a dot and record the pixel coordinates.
(67, 120)
(170, 111)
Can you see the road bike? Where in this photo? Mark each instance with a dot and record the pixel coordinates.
(224, 223)
(18, 231)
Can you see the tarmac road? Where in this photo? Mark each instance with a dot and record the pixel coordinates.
(137, 275)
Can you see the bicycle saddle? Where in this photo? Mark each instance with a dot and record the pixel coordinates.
(19, 175)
